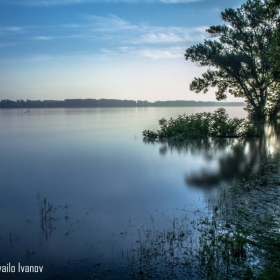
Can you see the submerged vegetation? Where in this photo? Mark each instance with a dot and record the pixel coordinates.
(201, 125)
(238, 239)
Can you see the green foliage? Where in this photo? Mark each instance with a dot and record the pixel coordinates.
(201, 125)
(238, 62)
(272, 13)
(270, 273)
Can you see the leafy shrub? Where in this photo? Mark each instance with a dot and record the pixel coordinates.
(217, 124)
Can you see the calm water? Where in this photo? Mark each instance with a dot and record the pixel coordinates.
(88, 173)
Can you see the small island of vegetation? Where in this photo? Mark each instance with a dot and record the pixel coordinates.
(217, 124)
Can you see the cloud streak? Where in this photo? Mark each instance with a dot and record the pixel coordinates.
(44, 38)
(11, 29)
(153, 53)
(100, 33)
(114, 27)
(174, 52)
(112, 23)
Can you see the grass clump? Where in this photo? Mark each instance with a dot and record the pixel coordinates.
(201, 125)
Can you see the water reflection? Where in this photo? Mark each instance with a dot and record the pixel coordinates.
(112, 184)
(232, 157)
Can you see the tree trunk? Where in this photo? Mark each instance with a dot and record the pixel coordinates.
(258, 114)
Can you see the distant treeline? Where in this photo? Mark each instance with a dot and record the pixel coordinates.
(89, 103)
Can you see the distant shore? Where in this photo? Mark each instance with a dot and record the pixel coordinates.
(97, 103)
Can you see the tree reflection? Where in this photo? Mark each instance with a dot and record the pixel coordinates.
(234, 157)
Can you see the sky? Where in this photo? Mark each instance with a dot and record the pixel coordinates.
(115, 49)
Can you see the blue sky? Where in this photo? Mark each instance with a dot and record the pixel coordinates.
(122, 49)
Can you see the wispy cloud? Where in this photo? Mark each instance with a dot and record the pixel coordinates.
(109, 23)
(104, 54)
(162, 38)
(73, 2)
(6, 29)
(174, 52)
(100, 33)
(142, 33)
(154, 53)
(44, 38)
(159, 35)
(14, 28)
(126, 49)
(108, 28)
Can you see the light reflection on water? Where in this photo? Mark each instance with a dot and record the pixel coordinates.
(102, 181)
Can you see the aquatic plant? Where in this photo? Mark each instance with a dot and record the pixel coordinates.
(201, 125)
(46, 217)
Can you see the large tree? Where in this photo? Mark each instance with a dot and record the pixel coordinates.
(238, 62)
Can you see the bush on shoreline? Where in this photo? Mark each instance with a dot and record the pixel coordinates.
(201, 125)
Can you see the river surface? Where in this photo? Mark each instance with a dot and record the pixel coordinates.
(77, 184)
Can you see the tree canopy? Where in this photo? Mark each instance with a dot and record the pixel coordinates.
(238, 61)
(272, 12)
